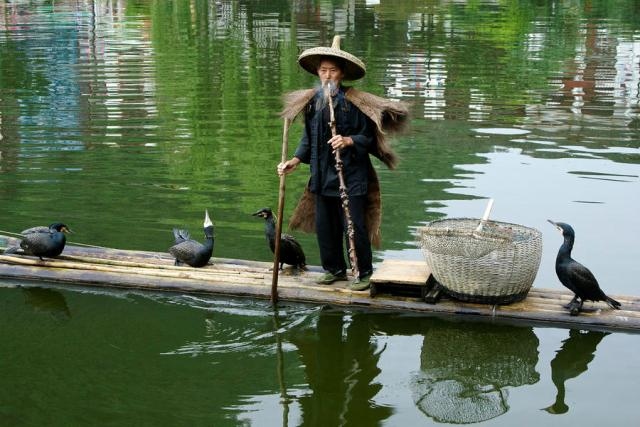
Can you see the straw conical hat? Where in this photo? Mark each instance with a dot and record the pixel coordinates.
(354, 68)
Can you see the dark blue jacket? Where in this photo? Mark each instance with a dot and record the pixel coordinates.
(315, 151)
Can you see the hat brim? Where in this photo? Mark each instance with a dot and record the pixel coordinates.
(310, 59)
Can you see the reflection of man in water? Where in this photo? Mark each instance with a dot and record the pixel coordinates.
(340, 371)
(571, 360)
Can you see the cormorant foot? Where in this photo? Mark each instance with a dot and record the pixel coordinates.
(574, 308)
(297, 270)
(571, 303)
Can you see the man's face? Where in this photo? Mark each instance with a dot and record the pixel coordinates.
(329, 70)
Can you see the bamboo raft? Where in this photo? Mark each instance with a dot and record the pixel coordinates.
(397, 285)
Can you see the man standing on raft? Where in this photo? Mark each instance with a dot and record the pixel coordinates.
(343, 133)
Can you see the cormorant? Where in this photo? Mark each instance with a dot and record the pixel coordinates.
(576, 276)
(191, 252)
(290, 250)
(43, 241)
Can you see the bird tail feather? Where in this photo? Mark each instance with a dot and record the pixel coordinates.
(11, 250)
(181, 235)
(613, 303)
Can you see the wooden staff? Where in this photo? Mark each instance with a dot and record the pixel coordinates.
(343, 187)
(276, 249)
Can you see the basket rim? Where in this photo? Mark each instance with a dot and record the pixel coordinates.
(433, 229)
(489, 221)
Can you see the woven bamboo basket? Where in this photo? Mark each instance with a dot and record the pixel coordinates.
(496, 265)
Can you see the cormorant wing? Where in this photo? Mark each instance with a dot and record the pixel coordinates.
(584, 281)
(185, 250)
(290, 240)
(37, 241)
(37, 229)
(291, 246)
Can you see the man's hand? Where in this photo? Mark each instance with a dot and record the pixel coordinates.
(288, 166)
(339, 142)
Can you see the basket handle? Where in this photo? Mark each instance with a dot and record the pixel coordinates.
(485, 217)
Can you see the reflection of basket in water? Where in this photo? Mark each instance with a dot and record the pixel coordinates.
(466, 369)
(496, 265)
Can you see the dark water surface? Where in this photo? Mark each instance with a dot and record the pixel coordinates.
(127, 118)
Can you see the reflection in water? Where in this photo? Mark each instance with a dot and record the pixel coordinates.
(466, 368)
(47, 301)
(341, 364)
(284, 397)
(571, 360)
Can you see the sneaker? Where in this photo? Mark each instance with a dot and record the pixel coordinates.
(361, 283)
(328, 278)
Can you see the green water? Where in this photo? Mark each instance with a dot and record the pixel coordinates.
(125, 119)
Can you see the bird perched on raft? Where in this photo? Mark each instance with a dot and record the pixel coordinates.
(576, 276)
(43, 241)
(290, 250)
(190, 252)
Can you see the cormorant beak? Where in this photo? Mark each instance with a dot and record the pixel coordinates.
(207, 220)
(259, 213)
(555, 225)
(66, 230)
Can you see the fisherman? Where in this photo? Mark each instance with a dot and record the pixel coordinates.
(362, 121)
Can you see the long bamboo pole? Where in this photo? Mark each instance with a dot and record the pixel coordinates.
(344, 197)
(281, 192)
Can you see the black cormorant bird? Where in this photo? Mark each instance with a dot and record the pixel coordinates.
(191, 252)
(43, 241)
(290, 250)
(576, 276)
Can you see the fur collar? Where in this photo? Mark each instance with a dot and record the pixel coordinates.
(389, 116)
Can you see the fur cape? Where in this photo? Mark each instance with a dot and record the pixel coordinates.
(388, 116)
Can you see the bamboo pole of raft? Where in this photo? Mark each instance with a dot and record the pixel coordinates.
(213, 268)
(276, 249)
(230, 276)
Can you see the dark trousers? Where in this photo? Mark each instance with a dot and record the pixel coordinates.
(331, 229)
